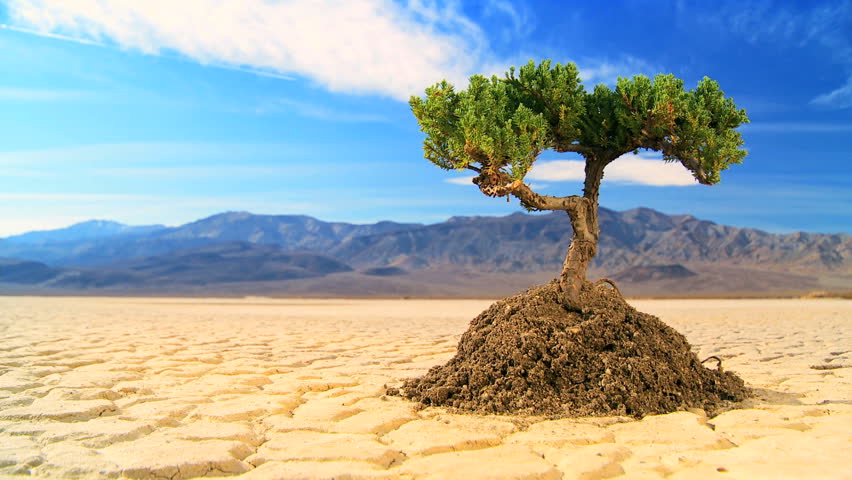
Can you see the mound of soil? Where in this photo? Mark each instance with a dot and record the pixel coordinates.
(528, 355)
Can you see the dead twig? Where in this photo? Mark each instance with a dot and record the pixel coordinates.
(718, 361)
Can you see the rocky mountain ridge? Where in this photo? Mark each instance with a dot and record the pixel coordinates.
(639, 247)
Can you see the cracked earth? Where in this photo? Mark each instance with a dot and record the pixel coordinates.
(174, 389)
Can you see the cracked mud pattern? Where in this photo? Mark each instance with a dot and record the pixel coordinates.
(294, 389)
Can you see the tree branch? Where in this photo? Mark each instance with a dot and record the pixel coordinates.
(501, 185)
(694, 166)
(572, 147)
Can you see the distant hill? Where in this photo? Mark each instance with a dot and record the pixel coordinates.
(642, 236)
(290, 232)
(653, 272)
(25, 272)
(645, 250)
(89, 230)
(235, 262)
(209, 265)
(81, 239)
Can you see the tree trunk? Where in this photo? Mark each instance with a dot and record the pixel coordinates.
(584, 244)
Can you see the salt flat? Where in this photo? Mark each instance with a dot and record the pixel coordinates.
(292, 389)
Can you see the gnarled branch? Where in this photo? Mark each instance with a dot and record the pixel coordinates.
(694, 165)
(573, 147)
(499, 184)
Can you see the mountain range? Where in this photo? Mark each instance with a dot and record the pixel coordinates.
(647, 252)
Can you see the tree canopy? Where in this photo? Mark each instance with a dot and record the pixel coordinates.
(498, 127)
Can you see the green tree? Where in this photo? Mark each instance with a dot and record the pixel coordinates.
(499, 127)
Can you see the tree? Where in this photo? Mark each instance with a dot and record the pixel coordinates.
(499, 127)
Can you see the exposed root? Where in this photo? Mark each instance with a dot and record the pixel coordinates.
(714, 357)
(610, 282)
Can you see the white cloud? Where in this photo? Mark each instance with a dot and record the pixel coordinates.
(629, 168)
(460, 180)
(558, 171)
(839, 98)
(355, 46)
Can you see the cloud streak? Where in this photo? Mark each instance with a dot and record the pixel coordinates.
(606, 70)
(460, 180)
(321, 112)
(839, 98)
(358, 46)
(153, 153)
(809, 127)
(52, 197)
(627, 169)
(38, 95)
(825, 25)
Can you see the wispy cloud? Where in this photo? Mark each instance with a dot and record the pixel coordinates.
(52, 197)
(201, 171)
(460, 180)
(56, 36)
(512, 15)
(607, 70)
(629, 168)
(821, 23)
(29, 173)
(840, 98)
(809, 127)
(39, 95)
(153, 153)
(824, 25)
(377, 47)
(320, 112)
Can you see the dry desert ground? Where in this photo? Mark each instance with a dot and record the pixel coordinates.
(294, 389)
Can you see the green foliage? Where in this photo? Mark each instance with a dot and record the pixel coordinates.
(695, 127)
(505, 124)
(555, 93)
(483, 125)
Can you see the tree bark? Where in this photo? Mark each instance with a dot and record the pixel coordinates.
(584, 244)
(583, 212)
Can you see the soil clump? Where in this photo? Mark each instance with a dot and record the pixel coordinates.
(528, 354)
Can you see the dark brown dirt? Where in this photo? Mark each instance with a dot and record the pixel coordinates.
(528, 355)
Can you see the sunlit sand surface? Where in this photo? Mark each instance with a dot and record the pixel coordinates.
(293, 389)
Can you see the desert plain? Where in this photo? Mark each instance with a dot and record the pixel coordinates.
(256, 388)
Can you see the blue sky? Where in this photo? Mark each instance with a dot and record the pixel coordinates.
(166, 112)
